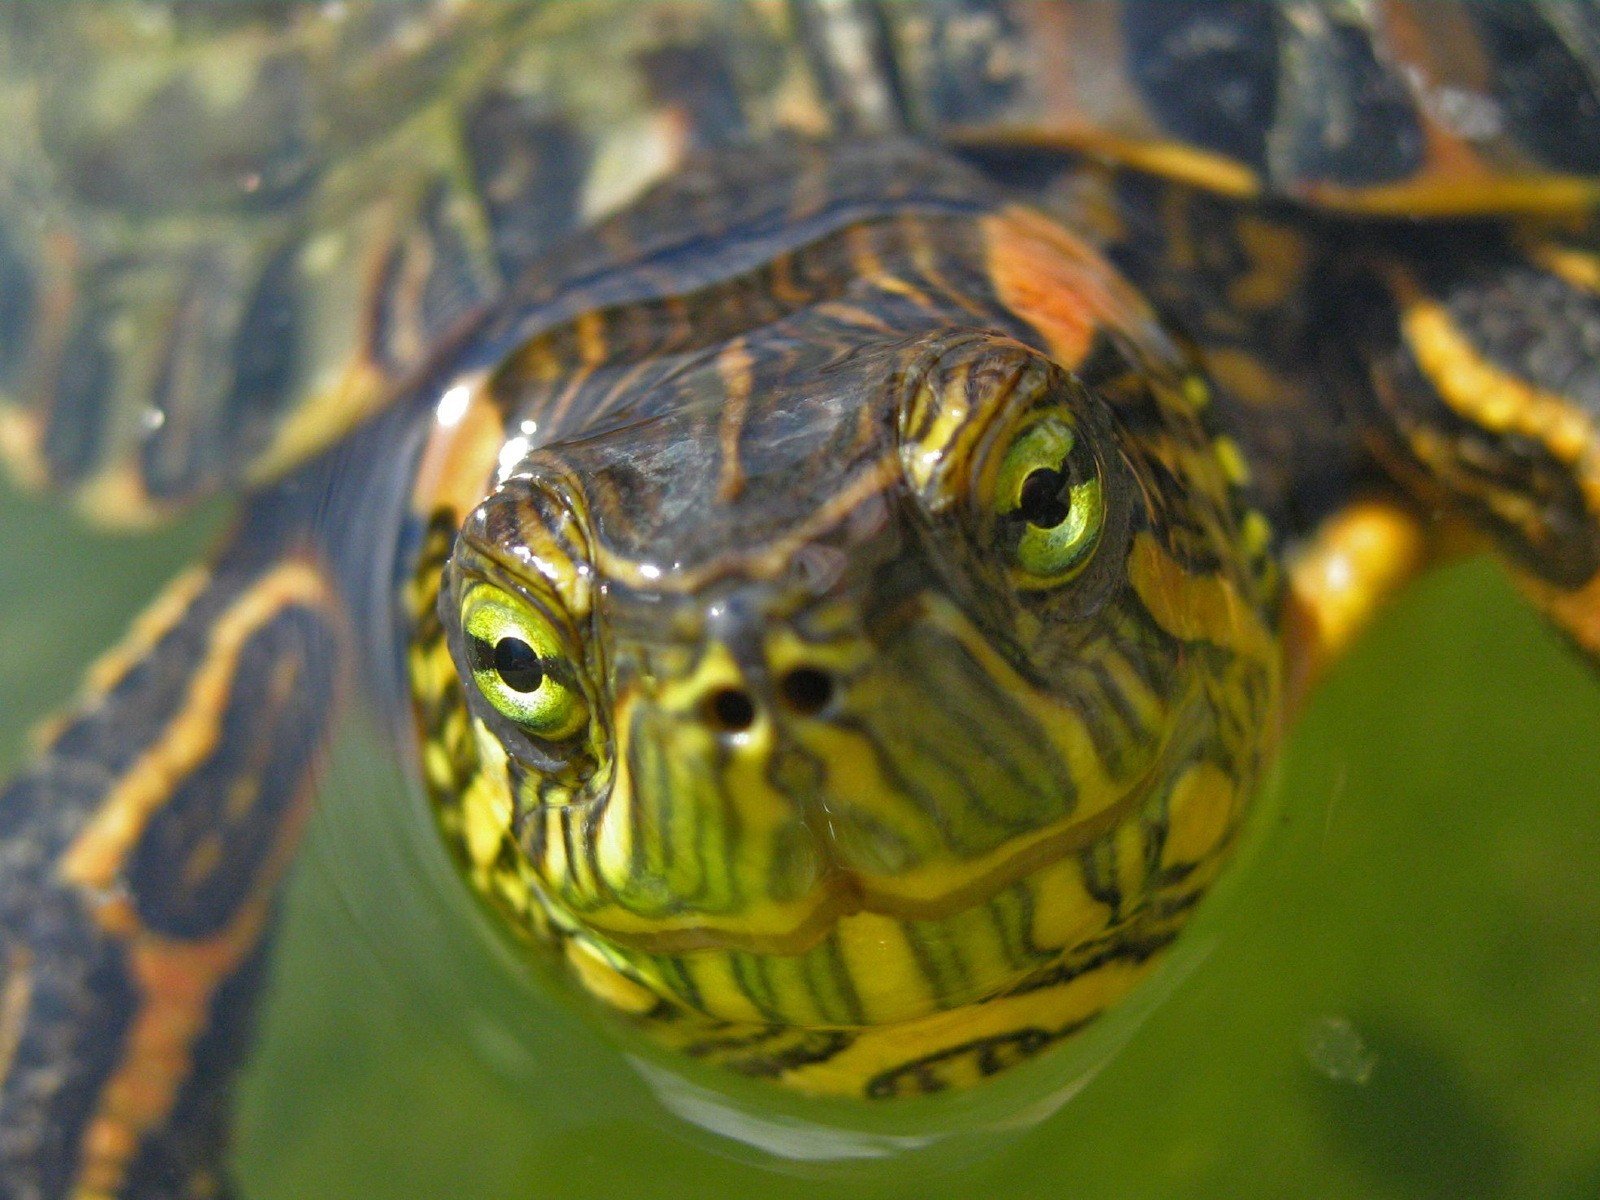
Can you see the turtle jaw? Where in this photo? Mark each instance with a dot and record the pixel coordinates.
(806, 842)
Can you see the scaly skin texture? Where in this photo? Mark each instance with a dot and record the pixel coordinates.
(745, 437)
(839, 894)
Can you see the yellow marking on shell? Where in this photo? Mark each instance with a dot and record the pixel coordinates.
(1232, 460)
(1278, 258)
(1195, 608)
(1249, 379)
(1357, 559)
(148, 628)
(95, 857)
(320, 419)
(116, 498)
(16, 994)
(1485, 394)
(1485, 195)
(1172, 160)
(20, 440)
(1200, 813)
(1580, 268)
(176, 980)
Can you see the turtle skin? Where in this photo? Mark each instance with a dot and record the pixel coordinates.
(513, 316)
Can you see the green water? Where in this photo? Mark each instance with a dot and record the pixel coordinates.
(1402, 998)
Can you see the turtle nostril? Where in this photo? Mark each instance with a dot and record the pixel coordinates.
(807, 690)
(731, 710)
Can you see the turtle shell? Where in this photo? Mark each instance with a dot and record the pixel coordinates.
(1432, 109)
(228, 232)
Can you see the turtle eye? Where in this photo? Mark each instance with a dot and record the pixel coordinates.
(519, 664)
(1048, 500)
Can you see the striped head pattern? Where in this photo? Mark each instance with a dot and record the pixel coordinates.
(872, 646)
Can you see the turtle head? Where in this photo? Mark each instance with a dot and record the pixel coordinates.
(836, 681)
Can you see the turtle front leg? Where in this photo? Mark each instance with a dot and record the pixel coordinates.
(140, 854)
(1481, 349)
(1342, 576)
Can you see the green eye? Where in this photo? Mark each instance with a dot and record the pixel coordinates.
(519, 664)
(1047, 493)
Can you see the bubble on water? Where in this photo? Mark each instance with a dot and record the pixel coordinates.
(1336, 1049)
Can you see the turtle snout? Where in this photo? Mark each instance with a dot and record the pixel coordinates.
(805, 691)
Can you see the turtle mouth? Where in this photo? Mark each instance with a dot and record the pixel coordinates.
(843, 891)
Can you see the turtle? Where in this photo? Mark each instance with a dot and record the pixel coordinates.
(839, 501)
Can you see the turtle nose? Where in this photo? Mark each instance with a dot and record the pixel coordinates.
(730, 710)
(804, 691)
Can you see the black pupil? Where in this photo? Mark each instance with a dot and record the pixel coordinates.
(517, 664)
(1044, 501)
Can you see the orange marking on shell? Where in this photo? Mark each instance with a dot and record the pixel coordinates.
(1052, 281)
(95, 857)
(177, 980)
(1447, 156)
(177, 983)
